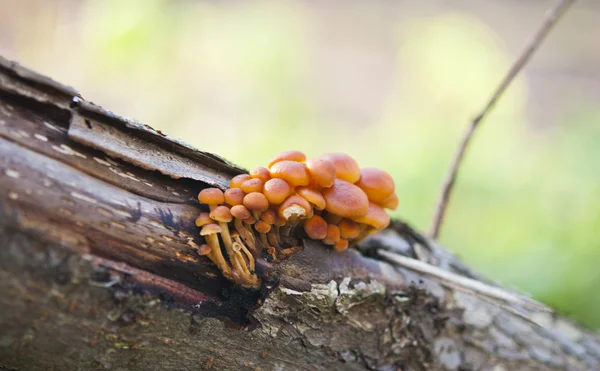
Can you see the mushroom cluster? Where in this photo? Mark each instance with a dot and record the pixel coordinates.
(263, 213)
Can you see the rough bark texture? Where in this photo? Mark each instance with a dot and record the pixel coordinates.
(98, 268)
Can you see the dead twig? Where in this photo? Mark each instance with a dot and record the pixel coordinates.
(550, 20)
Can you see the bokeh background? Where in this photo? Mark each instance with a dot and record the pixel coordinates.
(394, 83)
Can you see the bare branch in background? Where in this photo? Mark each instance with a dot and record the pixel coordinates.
(550, 20)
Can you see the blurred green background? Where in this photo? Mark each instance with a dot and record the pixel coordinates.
(392, 83)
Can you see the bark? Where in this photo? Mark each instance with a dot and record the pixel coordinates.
(98, 269)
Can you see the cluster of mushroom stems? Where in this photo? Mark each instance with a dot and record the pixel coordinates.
(327, 198)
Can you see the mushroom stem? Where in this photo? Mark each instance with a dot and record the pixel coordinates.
(263, 240)
(215, 255)
(245, 233)
(272, 237)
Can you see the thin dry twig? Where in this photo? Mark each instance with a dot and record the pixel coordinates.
(550, 20)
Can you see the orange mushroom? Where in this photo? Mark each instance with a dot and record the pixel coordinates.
(322, 171)
(296, 156)
(346, 168)
(252, 185)
(237, 180)
(349, 229)
(313, 196)
(234, 196)
(377, 184)
(375, 217)
(345, 199)
(316, 227)
(295, 173)
(261, 173)
(276, 190)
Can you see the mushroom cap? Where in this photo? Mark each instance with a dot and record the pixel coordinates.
(345, 199)
(375, 217)
(295, 173)
(377, 184)
(221, 214)
(296, 156)
(277, 190)
(280, 222)
(203, 219)
(250, 220)
(262, 227)
(391, 202)
(269, 216)
(204, 249)
(210, 229)
(234, 196)
(252, 185)
(256, 201)
(322, 171)
(333, 235)
(261, 173)
(349, 229)
(346, 168)
(313, 196)
(316, 227)
(295, 206)
(240, 212)
(211, 196)
(237, 180)
(341, 245)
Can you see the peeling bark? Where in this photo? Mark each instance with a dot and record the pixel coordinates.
(98, 268)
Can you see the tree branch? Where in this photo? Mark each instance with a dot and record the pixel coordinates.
(550, 20)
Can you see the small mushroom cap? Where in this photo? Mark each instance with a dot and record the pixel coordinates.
(261, 173)
(295, 173)
(322, 171)
(240, 212)
(341, 245)
(295, 206)
(377, 184)
(211, 196)
(204, 249)
(256, 201)
(237, 180)
(269, 216)
(280, 222)
(375, 217)
(277, 190)
(252, 185)
(262, 227)
(234, 196)
(296, 156)
(391, 202)
(210, 229)
(250, 220)
(333, 235)
(313, 196)
(221, 214)
(203, 219)
(345, 199)
(349, 229)
(316, 227)
(346, 168)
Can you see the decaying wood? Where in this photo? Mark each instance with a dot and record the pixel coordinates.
(98, 269)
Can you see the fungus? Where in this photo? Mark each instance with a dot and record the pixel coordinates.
(260, 173)
(345, 199)
(313, 196)
(237, 180)
(329, 197)
(346, 168)
(333, 235)
(295, 156)
(322, 171)
(377, 184)
(295, 173)
(349, 229)
(316, 227)
(277, 190)
(234, 196)
(391, 202)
